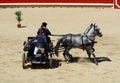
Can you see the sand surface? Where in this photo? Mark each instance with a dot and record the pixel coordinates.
(61, 21)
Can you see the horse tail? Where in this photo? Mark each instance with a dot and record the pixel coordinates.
(57, 46)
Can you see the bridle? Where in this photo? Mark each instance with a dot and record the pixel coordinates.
(85, 34)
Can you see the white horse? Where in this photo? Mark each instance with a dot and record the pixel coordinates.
(83, 41)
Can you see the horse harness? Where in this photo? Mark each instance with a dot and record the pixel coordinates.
(70, 39)
(88, 43)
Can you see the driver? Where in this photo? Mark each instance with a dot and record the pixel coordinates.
(42, 38)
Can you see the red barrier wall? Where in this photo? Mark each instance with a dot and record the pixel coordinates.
(57, 1)
(117, 4)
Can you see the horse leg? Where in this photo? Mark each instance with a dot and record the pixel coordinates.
(89, 54)
(94, 57)
(70, 56)
(66, 54)
(90, 51)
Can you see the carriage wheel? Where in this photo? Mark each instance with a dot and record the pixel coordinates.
(51, 65)
(24, 61)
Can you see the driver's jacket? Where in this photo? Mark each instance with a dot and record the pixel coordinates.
(42, 36)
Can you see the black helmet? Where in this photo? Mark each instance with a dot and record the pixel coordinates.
(44, 24)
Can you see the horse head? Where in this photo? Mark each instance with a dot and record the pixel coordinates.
(97, 30)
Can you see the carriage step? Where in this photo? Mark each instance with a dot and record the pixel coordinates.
(38, 55)
(37, 62)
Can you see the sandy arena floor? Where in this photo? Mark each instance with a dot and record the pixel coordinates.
(61, 21)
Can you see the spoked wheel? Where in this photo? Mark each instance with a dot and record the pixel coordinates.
(24, 61)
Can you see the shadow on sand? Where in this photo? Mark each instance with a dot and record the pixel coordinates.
(55, 64)
(99, 59)
(23, 26)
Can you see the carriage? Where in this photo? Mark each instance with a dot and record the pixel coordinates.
(83, 41)
(40, 58)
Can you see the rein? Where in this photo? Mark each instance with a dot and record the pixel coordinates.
(56, 35)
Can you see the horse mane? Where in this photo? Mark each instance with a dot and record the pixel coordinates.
(89, 27)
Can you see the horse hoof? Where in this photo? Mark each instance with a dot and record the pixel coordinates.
(96, 63)
(67, 62)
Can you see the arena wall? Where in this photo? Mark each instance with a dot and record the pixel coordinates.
(43, 3)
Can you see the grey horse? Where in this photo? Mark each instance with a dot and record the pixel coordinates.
(83, 41)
